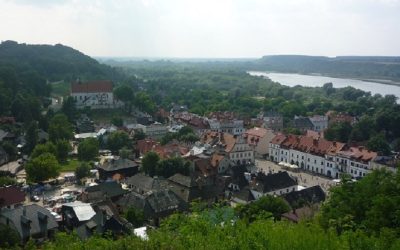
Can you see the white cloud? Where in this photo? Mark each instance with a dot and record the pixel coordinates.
(207, 28)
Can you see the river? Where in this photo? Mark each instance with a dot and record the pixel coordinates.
(317, 81)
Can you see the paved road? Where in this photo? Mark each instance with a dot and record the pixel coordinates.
(305, 179)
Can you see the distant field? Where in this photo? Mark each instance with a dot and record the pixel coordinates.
(60, 88)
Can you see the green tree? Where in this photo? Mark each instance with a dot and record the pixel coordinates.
(8, 237)
(63, 148)
(7, 181)
(31, 136)
(42, 168)
(117, 140)
(60, 128)
(171, 166)
(10, 149)
(69, 108)
(125, 94)
(378, 143)
(139, 135)
(150, 162)
(88, 149)
(339, 131)
(40, 149)
(82, 171)
(266, 206)
(370, 204)
(117, 121)
(134, 216)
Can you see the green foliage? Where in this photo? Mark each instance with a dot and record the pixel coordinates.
(171, 166)
(10, 149)
(378, 143)
(55, 63)
(339, 131)
(88, 149)
(117, 140)
(82, 171)
(60, 128)
(370, 204)
(6, 181)
(265, 207)
(8, 237)
(117, 121)
(150, 162)
(42, 168)
(63, 148)
(185, 134)
(153, 166)
(31, 136)
(40, 149)
(134, 216)
(139, 135)
(69, 108)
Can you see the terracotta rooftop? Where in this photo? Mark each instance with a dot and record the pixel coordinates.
(359, 153)
(103, 86)
(278, 139)
(10, 196)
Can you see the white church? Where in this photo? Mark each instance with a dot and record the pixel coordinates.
(93, 94)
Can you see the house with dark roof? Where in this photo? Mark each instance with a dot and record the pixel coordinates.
(77, 213)
(105, 220)
(302, 123)
(141, 183)
(11, 197)
(103, 191)
(94, 94)
(273, 184)
(30, 222)
(155, 204)
(186, 187)
(121, 166)
(305, 197)
(243, 196)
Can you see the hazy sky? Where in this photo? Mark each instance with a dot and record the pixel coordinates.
(206, 28)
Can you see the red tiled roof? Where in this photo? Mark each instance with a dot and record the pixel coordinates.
(146, 145)
(92, 87)
(359, 153)
(216, 159)
(278, 139)
(10, 196)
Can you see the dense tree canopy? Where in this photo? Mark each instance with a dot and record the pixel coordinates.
(42, 168)
(60, 128)
(88, 149)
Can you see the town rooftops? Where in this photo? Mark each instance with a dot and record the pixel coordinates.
(83, 211)
(11, 196)
(183, 180)
(271, 182)
(304, 197)
(359, 153)
(121, 163)
(30, 220)
(101, 86)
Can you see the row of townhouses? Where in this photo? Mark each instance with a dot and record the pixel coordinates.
(321, 156)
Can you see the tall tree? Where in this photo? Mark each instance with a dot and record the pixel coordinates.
(31, 136)
(69, 108)
(60, 128)
(150, 162)
(88, 149)
(118, 140)
(42, 168)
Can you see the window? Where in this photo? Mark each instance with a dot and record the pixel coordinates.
(287, 190)
(315, 161)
